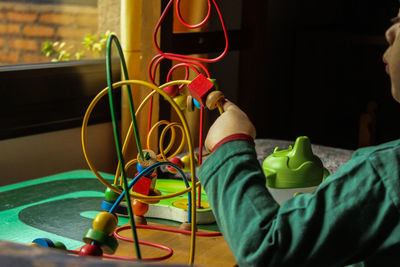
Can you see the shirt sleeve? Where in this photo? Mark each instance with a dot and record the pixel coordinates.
(352, 216)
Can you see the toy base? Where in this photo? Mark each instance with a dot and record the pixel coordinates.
(173, 213)
(175, 209)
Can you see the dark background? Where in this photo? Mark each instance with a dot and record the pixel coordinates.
(296, 67)
(311, 67)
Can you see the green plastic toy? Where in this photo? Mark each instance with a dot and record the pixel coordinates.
(295, 167)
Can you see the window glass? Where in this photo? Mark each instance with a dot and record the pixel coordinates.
(34, 31)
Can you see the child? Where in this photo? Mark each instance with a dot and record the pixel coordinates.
(353, 217)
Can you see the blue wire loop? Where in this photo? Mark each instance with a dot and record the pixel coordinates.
(149, 170)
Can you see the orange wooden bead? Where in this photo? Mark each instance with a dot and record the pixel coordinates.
(105, 222)
(139, 208)
(33, 244)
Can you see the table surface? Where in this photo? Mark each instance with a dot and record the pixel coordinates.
(28, 201)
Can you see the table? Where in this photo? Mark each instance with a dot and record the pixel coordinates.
(39, 207)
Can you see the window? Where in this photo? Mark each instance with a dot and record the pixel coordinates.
(26, 25)
(37, 95)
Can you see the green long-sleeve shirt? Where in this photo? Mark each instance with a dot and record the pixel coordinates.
(353, 217)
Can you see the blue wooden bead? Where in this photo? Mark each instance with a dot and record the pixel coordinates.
(196, 103)
(120, 209)
(139, 167)
(44, 242)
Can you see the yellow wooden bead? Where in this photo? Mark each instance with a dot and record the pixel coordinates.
(186, 163)
(105, 222)
(180, 100)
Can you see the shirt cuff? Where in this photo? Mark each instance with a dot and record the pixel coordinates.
(233, 137)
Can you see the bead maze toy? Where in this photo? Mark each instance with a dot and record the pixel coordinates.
(140, 193)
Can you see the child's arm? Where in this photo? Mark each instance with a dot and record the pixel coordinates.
(351, 217)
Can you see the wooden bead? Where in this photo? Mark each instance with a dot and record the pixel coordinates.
(186, 163)
(60, 245)
(139, 208)
(142, 186)
(196, 104)
(199, 88)
(147, 162)
(90, 250)
(177, 161)
(214, 81)
(110, 195)
(120, 209)
(186, 226)
(140, 220)
(33, 244)
(189, 103)
(213, 98)
(172, 90)
(44, 242)
(94, 235)
(180, 100)
(108, 242)
(105, 222)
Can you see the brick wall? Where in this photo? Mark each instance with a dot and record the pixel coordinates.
(24, 27)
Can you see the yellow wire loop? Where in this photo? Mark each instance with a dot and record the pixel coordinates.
(187, 135)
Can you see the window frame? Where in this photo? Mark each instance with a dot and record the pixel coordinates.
(44, 97)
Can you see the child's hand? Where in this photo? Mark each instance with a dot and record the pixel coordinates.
(232, 121)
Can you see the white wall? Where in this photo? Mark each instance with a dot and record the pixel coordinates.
(40, 155)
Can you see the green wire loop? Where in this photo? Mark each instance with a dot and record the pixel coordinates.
(126, 77)
(114, 38)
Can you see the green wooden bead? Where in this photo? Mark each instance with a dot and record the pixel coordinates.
(110, 195)
(60, 245)
(94, 235)
(108, 243)
(105, 222)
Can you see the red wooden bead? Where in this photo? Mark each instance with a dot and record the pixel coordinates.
(177, 161)
(142, 186)
(139, 208)
(172, 90)
(200, 87)
(90, 250)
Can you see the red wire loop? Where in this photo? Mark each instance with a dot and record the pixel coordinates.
(195, 61)
(190, 26)
(188, 62)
